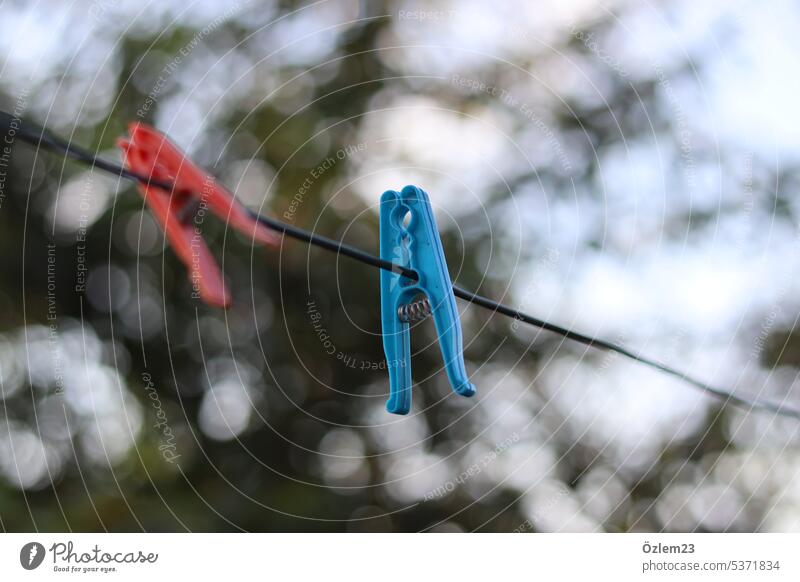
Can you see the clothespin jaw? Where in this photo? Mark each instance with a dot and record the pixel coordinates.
(417, 246)
(150, 153)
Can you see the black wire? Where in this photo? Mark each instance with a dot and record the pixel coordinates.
(612, 347)
(12, 127)
(333, 245)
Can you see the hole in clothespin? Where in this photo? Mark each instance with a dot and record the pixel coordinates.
(402, 218)
(188, 211)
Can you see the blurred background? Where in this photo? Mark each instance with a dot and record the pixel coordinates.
(627, 169)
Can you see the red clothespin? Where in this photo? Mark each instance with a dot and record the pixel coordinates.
(150, 153)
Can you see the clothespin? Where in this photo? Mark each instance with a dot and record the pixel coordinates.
(416, 245)
(150, 153)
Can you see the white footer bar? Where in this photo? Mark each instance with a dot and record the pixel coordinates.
(387, 557)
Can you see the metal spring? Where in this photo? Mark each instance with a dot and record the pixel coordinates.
(416, 311)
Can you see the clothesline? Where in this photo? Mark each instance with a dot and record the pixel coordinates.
(13, 128)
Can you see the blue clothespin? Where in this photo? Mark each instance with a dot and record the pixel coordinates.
(415, 244)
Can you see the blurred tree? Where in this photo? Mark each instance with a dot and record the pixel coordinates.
(129, 406)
